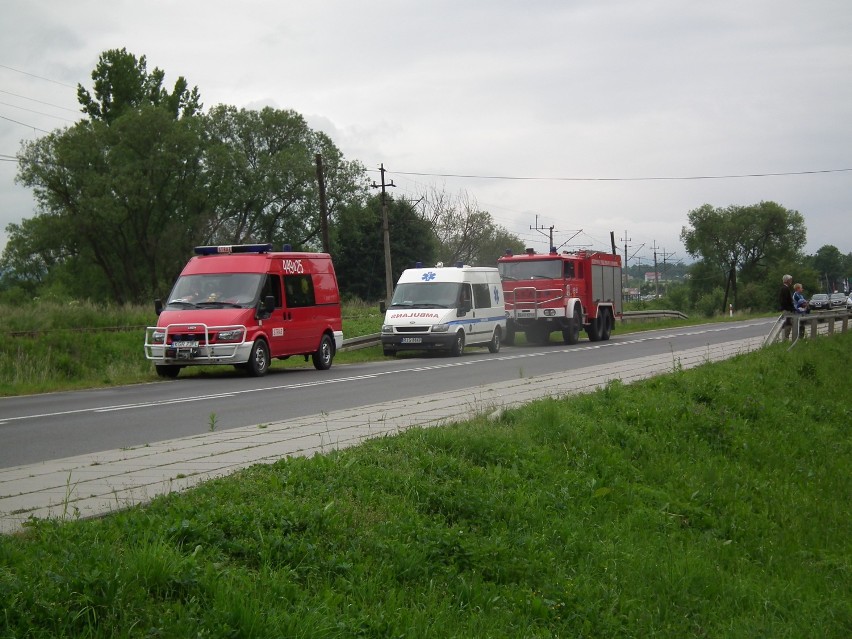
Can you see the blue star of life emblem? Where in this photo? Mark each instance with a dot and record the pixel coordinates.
(496, 295)
(428, 276)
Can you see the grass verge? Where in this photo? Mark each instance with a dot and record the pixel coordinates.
(710, 502)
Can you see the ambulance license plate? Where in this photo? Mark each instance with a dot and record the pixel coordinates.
(185, 344)
(411, 340)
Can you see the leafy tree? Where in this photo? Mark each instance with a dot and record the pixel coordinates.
(677, 297)
(465, 233)
(828, 262)
(262, 164)
(743, 242)
(125, 197)
(358, 245)
(122, 83)
(121, 195)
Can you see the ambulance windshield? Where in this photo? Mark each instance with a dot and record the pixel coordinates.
(220, 290)
(426, 295)
(530, 270)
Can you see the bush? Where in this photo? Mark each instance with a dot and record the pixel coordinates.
(711, 303)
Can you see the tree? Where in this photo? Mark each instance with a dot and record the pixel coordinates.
(262, 164)
(828, 263)
(127, 197)
(358, 247)
(465, 233)
(123, 191)
(743, 242)
(122, 83)
(123, 196)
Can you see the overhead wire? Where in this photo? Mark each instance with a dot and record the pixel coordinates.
(56, 106)
(33, 75)
(47, 115)
(618, 179)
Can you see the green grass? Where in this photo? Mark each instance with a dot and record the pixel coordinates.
(51, 346)
(711, 502)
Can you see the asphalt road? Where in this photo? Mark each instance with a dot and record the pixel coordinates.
(57, 425)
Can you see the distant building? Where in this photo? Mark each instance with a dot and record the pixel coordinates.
(652, 276)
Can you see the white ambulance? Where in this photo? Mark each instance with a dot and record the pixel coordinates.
(445, 309)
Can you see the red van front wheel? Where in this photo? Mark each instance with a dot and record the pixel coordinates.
(258, 362)
(324, 354)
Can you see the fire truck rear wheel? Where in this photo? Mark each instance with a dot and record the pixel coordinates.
(593, 329)
(458, 345)
(258, 363)
(494, 344)
(606, 324)
(167, 370)
(324, 354)
(509, 338)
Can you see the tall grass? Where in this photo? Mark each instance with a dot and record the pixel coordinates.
(712, 502)
(51, 346)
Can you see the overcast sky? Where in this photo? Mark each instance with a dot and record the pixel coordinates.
(588, 116)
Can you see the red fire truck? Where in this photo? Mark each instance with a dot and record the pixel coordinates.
(561, 292)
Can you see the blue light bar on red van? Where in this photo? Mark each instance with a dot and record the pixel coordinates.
(233, 248)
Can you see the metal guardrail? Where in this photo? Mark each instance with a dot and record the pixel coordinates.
(644, 316)
(812, 324)
(362, 341)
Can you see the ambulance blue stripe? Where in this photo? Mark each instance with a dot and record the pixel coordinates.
(477, 320)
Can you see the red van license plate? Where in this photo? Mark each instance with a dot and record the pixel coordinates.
(185, 344)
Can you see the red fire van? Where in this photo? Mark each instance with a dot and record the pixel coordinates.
(244, 305)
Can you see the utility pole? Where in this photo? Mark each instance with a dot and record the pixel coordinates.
(550, 245)
(656, 275)
(323, 205)
(386, 234)
(625, 275)
(625, 239)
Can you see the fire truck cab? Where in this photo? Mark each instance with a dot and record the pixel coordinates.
(547, 292)
(244, 305)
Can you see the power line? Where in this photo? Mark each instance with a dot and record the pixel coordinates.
(23, 97)
(29, 126)
(621, 179)
(47, 115)
(33, 75)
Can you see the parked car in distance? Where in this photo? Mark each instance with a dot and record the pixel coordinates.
(837, 300)
(849, 302)
(819, 302)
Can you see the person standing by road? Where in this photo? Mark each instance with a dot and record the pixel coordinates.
(785, 303)
(801, 306)
(799, 301)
